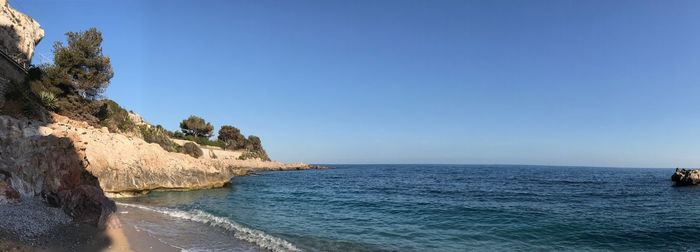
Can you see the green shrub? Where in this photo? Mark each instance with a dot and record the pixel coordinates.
(254, 154)
(232, 137)
(177, 134)
(198, 140)
(48, 100)
(114, 117)
(254, 146)
(192, 150)
(159, 136)
(20, 101)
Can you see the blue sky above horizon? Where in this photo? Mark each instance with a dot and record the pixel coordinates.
(599, 83)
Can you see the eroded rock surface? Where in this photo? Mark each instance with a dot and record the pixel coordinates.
(51, 163)
(73, 165)
(19, 33)
(125, 165)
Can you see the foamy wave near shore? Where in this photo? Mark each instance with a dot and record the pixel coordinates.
(240, 232)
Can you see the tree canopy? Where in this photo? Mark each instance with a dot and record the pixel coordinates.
(81, 63)
(196, 126)
(232, 137)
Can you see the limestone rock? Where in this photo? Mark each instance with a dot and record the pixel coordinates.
(125, 165)
(52, 166)
(19, 33)
(73, 166)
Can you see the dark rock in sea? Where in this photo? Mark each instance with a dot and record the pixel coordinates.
(683, 177)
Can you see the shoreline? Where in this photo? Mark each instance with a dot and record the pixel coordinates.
(130, 238)
(31, 225)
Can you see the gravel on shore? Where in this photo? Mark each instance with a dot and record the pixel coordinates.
(30, 219)
(31, 225)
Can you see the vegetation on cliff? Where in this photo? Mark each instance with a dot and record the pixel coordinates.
(114, 117)
(81, 65)
(254, 149)
(231, 137)
(192, 150)
(196, 129)
(78, 76)
(196, 126)
(160, 136)
(73, 86)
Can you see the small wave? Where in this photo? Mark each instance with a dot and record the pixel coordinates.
(257, 237)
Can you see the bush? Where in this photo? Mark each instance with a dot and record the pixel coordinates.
(206, 141)
(177, 134)
(20, 101)
(48, 100)
(253, 155)
(192, 150)
(198, 140)
(114, 117)
(255, 148)
(232, 137)
(158, 135)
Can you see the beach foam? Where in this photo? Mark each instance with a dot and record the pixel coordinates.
(240, 232)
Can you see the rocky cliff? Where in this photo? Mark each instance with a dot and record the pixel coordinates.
(19, 33)
(37, 159)
(126, 165)
(73, 165)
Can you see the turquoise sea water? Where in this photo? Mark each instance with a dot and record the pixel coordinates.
(431, 208)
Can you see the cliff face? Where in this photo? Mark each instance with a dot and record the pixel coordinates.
(38, 159)
(73, 165)
(19, 33)
(127, 165)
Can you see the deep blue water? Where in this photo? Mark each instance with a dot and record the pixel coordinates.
(447, 208)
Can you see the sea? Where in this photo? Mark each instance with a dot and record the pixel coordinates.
(429, 208)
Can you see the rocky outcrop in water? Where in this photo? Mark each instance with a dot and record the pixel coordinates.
(683, 177)
(19, 33)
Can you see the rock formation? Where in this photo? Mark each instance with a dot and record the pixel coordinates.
(7, 193)
(72, 165)
(129, 165)
(683, 177)
(40, 160)
(119, 164)
(19, 34)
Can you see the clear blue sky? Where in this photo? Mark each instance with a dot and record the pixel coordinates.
(605, 83)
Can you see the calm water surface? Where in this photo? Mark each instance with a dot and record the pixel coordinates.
(434, 208)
